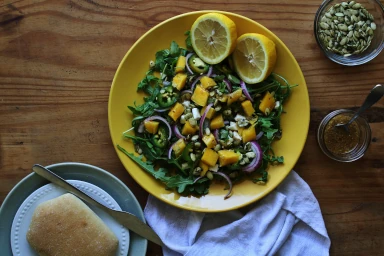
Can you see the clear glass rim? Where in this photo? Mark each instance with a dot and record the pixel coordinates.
(355, 62)
(320, 137)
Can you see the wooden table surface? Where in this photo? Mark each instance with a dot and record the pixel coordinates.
(57, 61)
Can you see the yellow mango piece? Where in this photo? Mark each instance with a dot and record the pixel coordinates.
(151, 126)
(188, 129)
(223, 98)
(234, 96)
(210, 113)
(209, 157)
(227, 157)
(267, 104)
(240, 130)
(207, 82)
(200, 96)
(180, 64)
(217, 122)
(176, 111)
(179, 81)
(247, 107)
(204, 168)
(249, 134)
(209, 140)
(178, 147)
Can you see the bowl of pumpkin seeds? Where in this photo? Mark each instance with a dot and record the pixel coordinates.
(350, 32)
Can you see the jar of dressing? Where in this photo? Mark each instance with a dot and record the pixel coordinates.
(342, 145)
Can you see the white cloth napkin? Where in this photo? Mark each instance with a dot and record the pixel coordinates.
(286, 222)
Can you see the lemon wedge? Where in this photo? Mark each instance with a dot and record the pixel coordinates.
(213, 37)
(254, 57)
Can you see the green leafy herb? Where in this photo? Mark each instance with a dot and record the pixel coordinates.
(188, 41)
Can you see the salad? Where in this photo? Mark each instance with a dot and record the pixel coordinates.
(201, 123)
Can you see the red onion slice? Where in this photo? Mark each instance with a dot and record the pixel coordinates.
(187, 64)
(245, 91)
(166, 83)
(228, 84)
(177, 132)
(199, 178)
(185, 92)
(256, 161)
(259, 135)
(229, 183)
(164, 121)
(209, 73)
(170, 150)
(160, 110)
(202, 119)
(216, 134)
(141, 128)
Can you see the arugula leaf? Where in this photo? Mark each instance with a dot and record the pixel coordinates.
(175, 49)
(188, 41)
(172, 182)
(233, 79)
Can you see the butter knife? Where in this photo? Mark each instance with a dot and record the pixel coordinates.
(126, 219)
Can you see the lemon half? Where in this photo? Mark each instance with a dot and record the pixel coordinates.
(213, 37)
(254, 57)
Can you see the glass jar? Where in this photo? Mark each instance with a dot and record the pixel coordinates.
(340, 145)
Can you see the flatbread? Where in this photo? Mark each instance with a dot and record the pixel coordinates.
(67, 226)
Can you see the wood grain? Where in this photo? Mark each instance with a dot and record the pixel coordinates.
(57, 61)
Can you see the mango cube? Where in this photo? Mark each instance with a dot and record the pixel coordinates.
(247, 107)
(178, 147)
(200, 96)
(210, 113)
(249, 134)
(151, 126)
(188, 129)
(176, 111)
(207, 82)
(209, 157)
(267, 104)
(179, 81)
(209, 140)
(217, 122)
(227, 157)
(204, 168)
(234, 96)
(180, 64)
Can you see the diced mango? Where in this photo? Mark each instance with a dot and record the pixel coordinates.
(234, 96)
(176, 111)
(207, 82)
(209, 140)
(210, 113)
(151, 126)
(227, 157)
(217, 122)
(223, 98)
(179, 81)
(178, 147)
(188, 129)
(200, 96)
(249, 134)
(240, 130)
(209, 157)
(247, 107)
(204, 168)
(267, 104)
(180, 64)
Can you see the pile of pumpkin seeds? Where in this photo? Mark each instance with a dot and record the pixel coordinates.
(347, 28)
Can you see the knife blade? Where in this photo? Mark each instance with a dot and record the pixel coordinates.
(126, 219)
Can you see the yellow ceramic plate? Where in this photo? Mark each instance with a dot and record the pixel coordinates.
(123, 93)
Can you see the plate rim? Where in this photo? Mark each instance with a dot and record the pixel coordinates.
(137, 244)
(118, 70)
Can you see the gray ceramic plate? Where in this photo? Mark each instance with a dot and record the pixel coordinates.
(76, 171)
